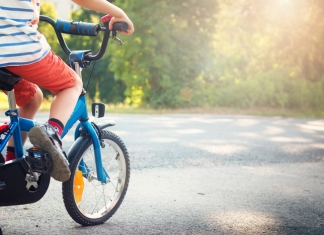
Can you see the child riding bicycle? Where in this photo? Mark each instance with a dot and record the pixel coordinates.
(26, 53)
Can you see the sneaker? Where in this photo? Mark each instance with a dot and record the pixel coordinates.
(45, 137)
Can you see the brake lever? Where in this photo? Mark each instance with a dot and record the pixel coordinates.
(114, 37)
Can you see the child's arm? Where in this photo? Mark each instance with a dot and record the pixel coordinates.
(107, 8)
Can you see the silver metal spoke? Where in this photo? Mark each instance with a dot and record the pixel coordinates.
(89, 194)
(109, 165)
(96, 205)
(103, 192)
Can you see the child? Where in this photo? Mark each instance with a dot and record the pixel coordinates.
(25, 52)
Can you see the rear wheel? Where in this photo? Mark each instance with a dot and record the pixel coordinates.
(87, 200)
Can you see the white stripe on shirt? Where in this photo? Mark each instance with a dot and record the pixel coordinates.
(20, 42)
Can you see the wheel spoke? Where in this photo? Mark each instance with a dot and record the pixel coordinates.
(112, 159)
(96, 205)
(103, 193)
(89, 194)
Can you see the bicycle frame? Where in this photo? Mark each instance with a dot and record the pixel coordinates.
(80, 113)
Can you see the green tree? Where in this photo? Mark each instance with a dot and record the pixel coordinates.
(168, 51)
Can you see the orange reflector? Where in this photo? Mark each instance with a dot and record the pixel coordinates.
(78, 186)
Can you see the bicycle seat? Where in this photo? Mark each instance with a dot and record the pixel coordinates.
(7, 79)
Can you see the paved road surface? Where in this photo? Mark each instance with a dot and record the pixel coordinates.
(203, 174)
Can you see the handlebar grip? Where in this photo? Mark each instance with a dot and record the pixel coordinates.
(77, 28)
(120, 26)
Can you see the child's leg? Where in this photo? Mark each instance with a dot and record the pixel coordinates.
(64, 102)
(53, 74)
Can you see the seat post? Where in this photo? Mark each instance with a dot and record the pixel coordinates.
(11, 100)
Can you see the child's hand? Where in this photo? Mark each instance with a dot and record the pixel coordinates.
(130, 29)
(107, 8)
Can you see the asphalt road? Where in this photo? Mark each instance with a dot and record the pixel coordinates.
(203, 174)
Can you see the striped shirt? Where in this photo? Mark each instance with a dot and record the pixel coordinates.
(20, 42)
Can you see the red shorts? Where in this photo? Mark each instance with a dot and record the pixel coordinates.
(51, 73)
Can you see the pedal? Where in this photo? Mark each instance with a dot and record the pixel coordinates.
(31, 181)
(39, 160)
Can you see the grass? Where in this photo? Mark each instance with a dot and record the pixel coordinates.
(256, 111)
(4, 103)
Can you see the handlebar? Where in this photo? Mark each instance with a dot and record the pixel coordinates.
(86, 29)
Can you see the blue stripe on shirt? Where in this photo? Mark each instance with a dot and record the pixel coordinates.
(18, 34)
(24, 63)
(16, 9)
(17, 44)
(20, 54)
(12, 25)
(18, 20)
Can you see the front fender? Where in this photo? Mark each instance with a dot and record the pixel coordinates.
(103, 125)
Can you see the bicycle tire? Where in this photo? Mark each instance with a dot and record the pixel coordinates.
(81, 201)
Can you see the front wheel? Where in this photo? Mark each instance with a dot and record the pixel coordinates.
(87, 200)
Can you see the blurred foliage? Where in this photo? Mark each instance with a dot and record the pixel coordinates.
(168, 51)
(220, 53)
(268, 53)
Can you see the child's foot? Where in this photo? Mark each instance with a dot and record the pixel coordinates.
(44, 137)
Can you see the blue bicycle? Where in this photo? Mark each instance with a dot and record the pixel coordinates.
(99, 161)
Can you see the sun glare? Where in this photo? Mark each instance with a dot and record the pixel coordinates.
(284, 2)
(283, 13)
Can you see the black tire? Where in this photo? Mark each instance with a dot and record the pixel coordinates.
(82, 203)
